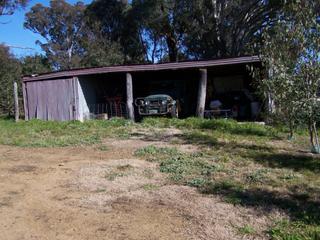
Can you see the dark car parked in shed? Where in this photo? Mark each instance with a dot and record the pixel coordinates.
(157, 105)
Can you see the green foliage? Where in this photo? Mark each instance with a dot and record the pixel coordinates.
(161, 36)
(61, 25)
(165, 30)
(9, 73)
(113, 32)
(291, 52)
(7, 7)
(232, 28)
(35, 65)
(100, 52)
(69, 42)
(116, 22)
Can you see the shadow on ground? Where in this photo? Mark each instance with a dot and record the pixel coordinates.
(296, 205)
(295, 161)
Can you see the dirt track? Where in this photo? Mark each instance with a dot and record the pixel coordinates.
(85, 193)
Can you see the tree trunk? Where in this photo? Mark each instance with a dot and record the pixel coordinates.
(310, 127)
(316, 138)
(172, 48)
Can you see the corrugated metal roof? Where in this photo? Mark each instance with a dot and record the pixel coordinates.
(144, 67)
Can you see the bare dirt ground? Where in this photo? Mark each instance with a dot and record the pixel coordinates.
(86, 193)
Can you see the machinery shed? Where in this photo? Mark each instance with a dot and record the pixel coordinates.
(105, 92)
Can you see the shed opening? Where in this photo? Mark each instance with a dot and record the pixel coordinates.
(102, 96)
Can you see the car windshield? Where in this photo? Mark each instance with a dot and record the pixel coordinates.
(158, 96)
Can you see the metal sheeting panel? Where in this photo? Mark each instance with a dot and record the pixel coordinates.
(51, 99)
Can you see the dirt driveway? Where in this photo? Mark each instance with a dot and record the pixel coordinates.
(92, 193)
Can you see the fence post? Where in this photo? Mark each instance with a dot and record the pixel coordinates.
(16, 101)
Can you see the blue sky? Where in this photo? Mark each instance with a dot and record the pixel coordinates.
(12, 32)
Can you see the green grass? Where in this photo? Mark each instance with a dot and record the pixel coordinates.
(286, 230)
(246, 230)
(150, 187)
(226, 126)
(38, 133)
(152, 152)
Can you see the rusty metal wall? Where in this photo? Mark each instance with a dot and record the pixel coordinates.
(52, 99)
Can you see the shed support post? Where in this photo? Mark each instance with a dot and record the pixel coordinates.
(16, 101)
(202, 91)
(130, 96)
(25, 101)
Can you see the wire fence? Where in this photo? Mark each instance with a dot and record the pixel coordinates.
(107, 110)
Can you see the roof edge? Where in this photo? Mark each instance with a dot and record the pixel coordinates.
(143, 67)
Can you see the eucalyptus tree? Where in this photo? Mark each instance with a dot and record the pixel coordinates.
(68, 41)
(7, 7)
(161, 28)
(292, 53)
(61, 26)
(118, 25)
(223, 28)
(204, 29)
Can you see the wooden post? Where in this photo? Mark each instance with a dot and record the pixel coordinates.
(130, 96)
(202, 91)
(25, 100)
(16, 101)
